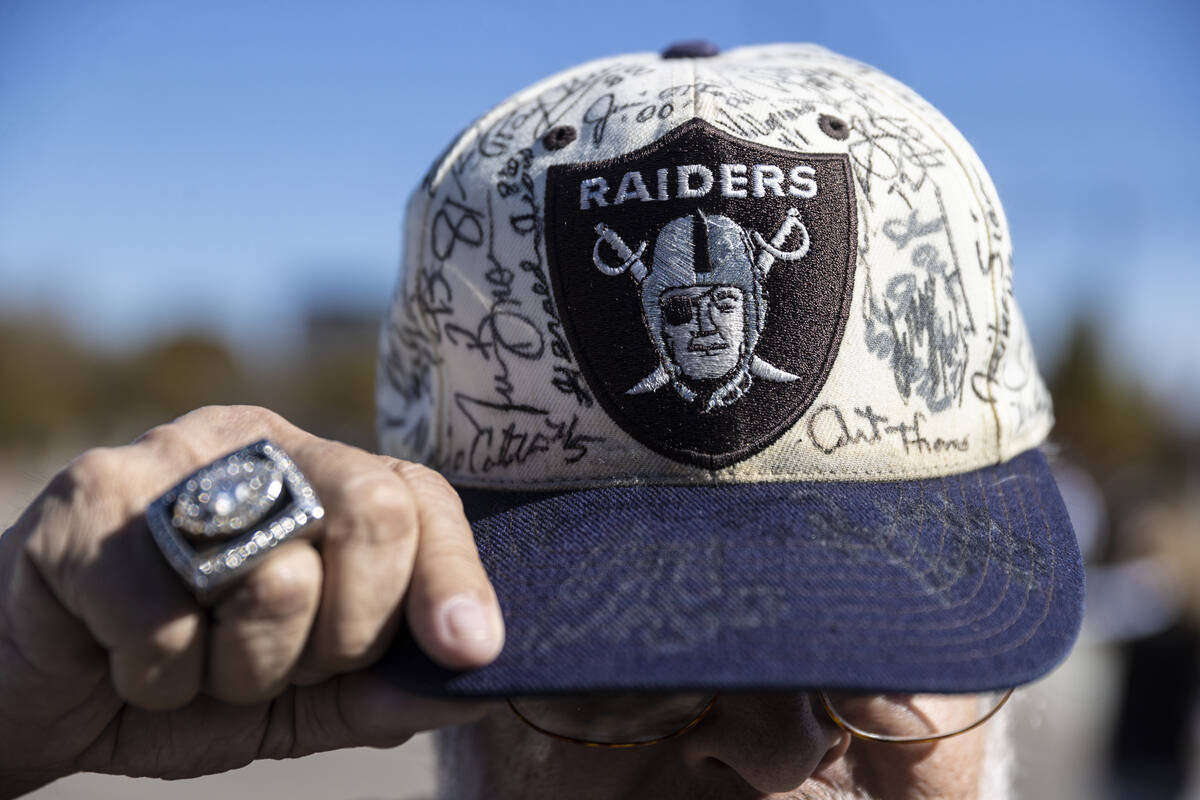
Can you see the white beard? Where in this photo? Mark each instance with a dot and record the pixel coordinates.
(996, 781)
(995, 776)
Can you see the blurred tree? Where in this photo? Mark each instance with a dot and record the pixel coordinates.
(329, 388)
(175, 376)
(56, 389)
(1102, 419)
(47, 381)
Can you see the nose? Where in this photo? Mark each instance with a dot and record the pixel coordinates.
(704, 316)
(773, 741)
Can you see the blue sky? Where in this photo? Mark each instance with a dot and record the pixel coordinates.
(180, 164)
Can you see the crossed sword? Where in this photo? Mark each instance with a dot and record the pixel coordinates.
(768, 254)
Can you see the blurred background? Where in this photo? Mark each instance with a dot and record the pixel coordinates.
(200, 202)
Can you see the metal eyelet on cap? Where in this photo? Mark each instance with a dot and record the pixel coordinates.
(691, 48)
(833, 127)
(559, 137)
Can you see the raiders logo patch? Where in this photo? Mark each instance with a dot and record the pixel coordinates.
(704, 283)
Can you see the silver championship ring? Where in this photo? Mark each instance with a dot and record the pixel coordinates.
(217, 523)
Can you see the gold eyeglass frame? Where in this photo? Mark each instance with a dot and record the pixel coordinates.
(826, 703)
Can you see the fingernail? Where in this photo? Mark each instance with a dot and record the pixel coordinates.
(466, 621)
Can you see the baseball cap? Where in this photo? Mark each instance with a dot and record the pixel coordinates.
(722, 354)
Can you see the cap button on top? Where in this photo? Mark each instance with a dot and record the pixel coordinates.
(692, 48)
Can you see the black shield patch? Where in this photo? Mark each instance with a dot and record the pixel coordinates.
(704, 283)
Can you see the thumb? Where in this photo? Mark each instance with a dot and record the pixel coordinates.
(361, 709)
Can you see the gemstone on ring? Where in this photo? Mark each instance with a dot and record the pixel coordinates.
(228, 497)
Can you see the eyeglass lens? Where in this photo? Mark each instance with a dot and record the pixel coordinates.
(912, 717)
(626, 718)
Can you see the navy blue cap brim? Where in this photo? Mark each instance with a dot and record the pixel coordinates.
(969, 582)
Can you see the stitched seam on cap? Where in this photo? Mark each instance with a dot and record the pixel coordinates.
(514, 481)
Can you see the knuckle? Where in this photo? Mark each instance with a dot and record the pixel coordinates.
(277, 592)
(131, 688)
(154, 679)
(348, 646)
(83, 502)
(383, 491)
(265, 417)
(222, 415)
(90, 494)
(177, 636)
(379, 490)
(93, 476)
(169, 438)
(154, 650)
(236, 424)
(373, 506)
(429, 483)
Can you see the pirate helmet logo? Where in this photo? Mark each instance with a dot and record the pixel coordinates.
(703, 303)
(703, 283)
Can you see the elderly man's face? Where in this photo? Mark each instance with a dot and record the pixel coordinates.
(777, 745)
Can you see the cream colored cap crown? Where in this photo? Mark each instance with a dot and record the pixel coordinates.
(934, 373)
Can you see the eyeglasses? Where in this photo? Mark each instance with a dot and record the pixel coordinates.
(634, 719)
